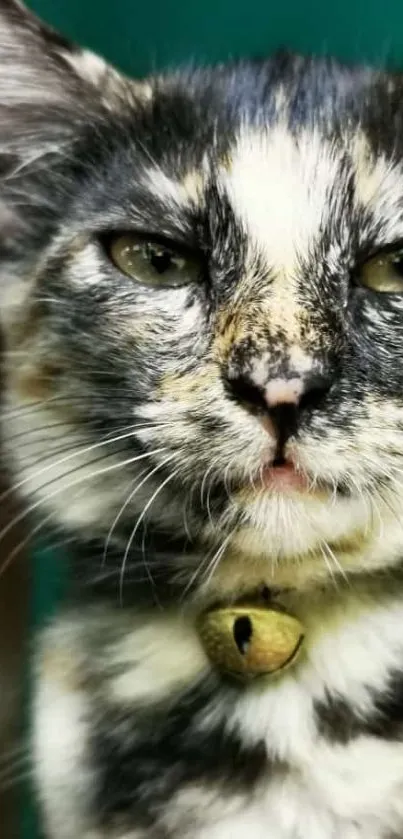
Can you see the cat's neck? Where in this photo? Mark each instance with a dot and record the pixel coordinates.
(162, 571)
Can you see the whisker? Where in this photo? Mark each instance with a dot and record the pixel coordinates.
(77, 424)
(208, 472)
(23, 543)
(125, 505)
(225, 478)
(53, 545)
(27, 432)
(15, 769)
(159, 489)
(329, 566)
(216, 561)
(16, 780)
(15, 764)
(185, 519)
(73, 454)
(197, 573)
(14, 487)
(203, 483)
(136, 575)
(208, 508)
(80, 480)
(336, 563)
(21, 749)
(39, 404)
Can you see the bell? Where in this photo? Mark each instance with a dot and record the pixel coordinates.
(248, 641)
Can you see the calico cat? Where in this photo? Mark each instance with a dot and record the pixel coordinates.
(202, 297)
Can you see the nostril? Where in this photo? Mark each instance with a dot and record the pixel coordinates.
(311, 399)
(244, 391)
(315, 389)
(282, 399)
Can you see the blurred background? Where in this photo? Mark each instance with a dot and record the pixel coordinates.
(142, 37)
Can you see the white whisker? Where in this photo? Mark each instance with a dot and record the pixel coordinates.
(213, 565)
(73, 454)
(159, 489)
(129, 499)
(77, 482)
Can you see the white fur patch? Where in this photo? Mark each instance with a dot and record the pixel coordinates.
(278, 187)
(87, 65)
(155, 660)
(60, 756)
(175, 192)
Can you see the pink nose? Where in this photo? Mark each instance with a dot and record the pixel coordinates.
(284, 397)
(283, 392)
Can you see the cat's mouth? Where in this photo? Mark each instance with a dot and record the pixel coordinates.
(284, 476)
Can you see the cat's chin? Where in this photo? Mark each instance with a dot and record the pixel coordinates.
(291, 517)
(295, 538)
(290, 477)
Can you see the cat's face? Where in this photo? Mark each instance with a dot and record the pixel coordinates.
(198, 281)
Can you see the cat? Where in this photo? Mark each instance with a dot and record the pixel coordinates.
(202, 299)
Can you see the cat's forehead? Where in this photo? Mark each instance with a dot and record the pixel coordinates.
(283, 154)
(291, 145)
(287, 189)
(279, 187)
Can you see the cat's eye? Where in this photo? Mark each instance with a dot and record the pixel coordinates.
(153, 263)
(383, 272)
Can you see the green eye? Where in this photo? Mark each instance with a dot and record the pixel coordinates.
(153, 263)
(383, 273)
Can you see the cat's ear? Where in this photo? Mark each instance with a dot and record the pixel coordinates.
(39, 66)
(50, 91)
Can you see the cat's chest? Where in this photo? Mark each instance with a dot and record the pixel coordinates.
(353, 791)
(331, 773)
(332, 730)
(316, 753)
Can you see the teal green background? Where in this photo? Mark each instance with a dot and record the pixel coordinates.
(138, 36)
(143, 37)
(48, 585)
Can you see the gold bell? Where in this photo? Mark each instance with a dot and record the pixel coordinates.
(248, 641)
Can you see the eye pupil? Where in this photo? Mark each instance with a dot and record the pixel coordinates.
(153, 263)
(159, 257)
(398, 265)
(383, 272)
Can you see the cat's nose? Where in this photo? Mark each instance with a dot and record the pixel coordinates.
(282, 397)
(282, 391)
(299, 391)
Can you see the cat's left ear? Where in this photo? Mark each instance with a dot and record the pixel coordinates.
(51, 92)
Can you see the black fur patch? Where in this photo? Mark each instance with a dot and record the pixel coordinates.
(147, 578)
(145, 757)
(340, 722)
